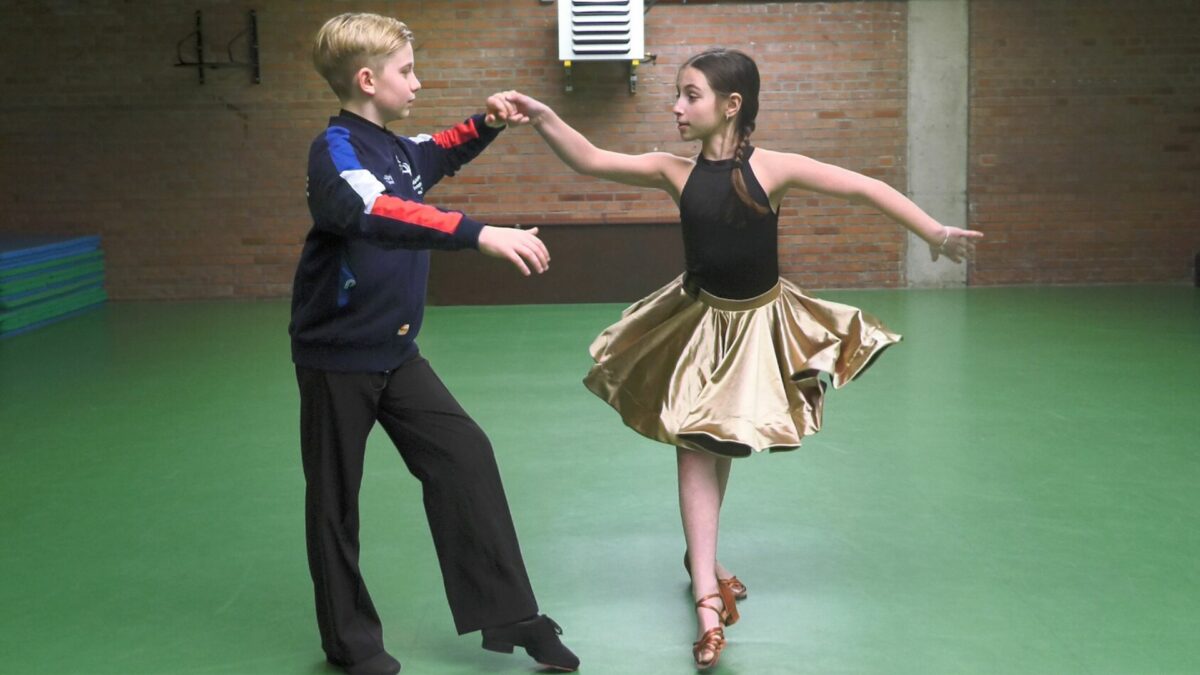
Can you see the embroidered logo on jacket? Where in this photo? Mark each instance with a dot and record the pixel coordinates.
(417, 185)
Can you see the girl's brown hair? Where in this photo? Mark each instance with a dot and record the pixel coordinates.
(730, 71)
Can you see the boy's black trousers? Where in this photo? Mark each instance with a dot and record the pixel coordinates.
(482, 569)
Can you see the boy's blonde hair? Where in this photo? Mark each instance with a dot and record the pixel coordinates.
(350, 41)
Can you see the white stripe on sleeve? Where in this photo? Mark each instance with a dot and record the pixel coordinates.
(365, 184)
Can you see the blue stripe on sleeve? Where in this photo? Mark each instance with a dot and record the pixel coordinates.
(344, 157)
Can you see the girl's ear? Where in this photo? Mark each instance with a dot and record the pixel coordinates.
(733, 105)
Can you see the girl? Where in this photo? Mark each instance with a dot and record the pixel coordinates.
(724, 361)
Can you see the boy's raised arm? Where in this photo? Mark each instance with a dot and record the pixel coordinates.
(347, 199)
(444, 153)
(350, 201)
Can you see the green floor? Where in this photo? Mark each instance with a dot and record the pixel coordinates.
(1013, 489)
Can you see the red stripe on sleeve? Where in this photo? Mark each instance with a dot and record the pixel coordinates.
(420, 215)
(457, 135)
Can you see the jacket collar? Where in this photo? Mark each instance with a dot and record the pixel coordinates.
(347, 118)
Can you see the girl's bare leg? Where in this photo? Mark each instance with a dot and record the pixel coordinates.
(723, 466)
(700, 507)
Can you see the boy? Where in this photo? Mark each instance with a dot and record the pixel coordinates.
(357, 305)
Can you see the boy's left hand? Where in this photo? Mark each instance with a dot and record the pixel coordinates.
(522, 248)
(501, 112)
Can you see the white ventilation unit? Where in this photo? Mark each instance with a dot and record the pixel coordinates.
(601, 30)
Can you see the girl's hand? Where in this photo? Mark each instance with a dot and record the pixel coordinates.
(525, 109)
(955, 243)
(500, 111)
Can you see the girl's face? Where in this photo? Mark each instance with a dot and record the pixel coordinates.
(697, 108)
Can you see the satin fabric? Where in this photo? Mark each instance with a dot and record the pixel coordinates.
(731, 377)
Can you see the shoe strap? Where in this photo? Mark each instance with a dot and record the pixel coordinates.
(713, 641)
(713, 635)
(732, 582)
(722, 613)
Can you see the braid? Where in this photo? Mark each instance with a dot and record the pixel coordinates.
(739, 181)
(729, 72)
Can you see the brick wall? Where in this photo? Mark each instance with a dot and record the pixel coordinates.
(833, 87)
(1085, 140)
(198, 190)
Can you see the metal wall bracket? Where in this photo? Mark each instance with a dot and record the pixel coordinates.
(200, 64)
(569, 78)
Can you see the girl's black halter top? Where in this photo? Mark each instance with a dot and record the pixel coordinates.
(727, 259)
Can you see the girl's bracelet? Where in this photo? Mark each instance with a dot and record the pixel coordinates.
(942, 246)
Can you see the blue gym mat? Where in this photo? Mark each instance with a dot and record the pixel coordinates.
(46, 278)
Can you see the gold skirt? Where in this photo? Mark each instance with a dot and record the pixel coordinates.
(731, 377)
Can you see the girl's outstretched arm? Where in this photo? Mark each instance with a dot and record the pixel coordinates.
(654, 169)
(790, 170)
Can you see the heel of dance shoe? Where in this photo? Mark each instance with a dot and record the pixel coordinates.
(731, 609)
(735, 584)
(497, 645)
(539, 637)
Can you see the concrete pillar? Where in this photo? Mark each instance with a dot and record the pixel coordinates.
(937, 130)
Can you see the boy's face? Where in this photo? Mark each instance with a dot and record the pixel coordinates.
(396, 85)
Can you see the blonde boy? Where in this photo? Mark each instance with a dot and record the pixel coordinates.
(357, 304)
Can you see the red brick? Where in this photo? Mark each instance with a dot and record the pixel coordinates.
(1083, 163)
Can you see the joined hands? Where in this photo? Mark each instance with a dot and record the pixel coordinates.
(508, 107)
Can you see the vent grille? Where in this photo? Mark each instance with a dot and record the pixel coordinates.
(600, 30)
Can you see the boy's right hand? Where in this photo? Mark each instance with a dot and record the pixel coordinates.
(521, 247)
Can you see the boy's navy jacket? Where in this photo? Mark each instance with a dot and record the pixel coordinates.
(359, 293)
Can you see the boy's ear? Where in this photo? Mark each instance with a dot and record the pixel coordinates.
(364, 81)
(733, 105)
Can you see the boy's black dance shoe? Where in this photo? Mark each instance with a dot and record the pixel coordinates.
(539, 637)
(380, 664)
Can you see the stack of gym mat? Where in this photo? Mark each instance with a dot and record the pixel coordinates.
(44, 279)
